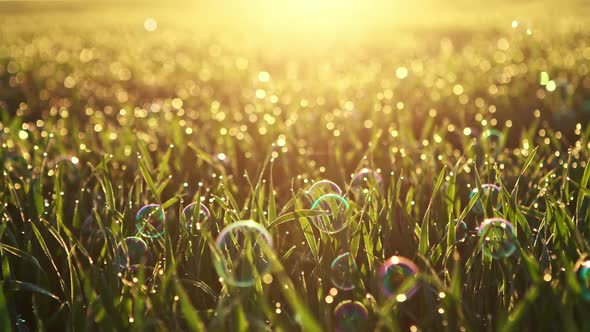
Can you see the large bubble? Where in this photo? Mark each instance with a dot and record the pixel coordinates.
(193, 217)
(333, 213)
(350, 316)
(241, 255)
(584, 279)
(366, 183)
(461, 230)
(321, 188)
(497, 237)
(150, 221)
(132, 253)
(344, 272)
(396, 276)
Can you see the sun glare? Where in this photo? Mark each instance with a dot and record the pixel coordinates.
(313, 18)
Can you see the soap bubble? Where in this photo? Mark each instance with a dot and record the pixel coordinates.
(490, 139)
(150, 221)
(334, 213)
(584, 279)
(193, 217)
(21, 324)
(365, 183)
(460, 230)
(322, 188)
(497, 237)
(491, 135)
(132, 253)
(241, 255)
(488, 198)
(343, 271)
(395, 277)
(351, 316)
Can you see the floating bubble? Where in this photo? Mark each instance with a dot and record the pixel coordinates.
(322, 188)
(584, 279)
(132, 253)
(351, 316)
(343, 271)
(150, 221)
(334, 213)
(498, 238)
(241, 255)
(365, 182)
(395, 277)
(488, 198)
(491, 136)
(460, 230)
(489, 143)
(193, 217)
(21, 324)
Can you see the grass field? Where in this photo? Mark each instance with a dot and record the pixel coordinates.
(430, 117)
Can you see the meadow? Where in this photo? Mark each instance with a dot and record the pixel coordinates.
(420, 171)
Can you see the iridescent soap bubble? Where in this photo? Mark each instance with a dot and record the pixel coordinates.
(365, 183)
(497, 237)
(344, 272)
(21, 324)
(193, 217)
(132, 253)
(491, 137)
(488, 198)
(149, 221)
(241, 256)
(350, 316)
(395, 277)
(584, 279)
(333, 213)
(321, 188)
(460, 230)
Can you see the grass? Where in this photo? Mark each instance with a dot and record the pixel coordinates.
(100, 118)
